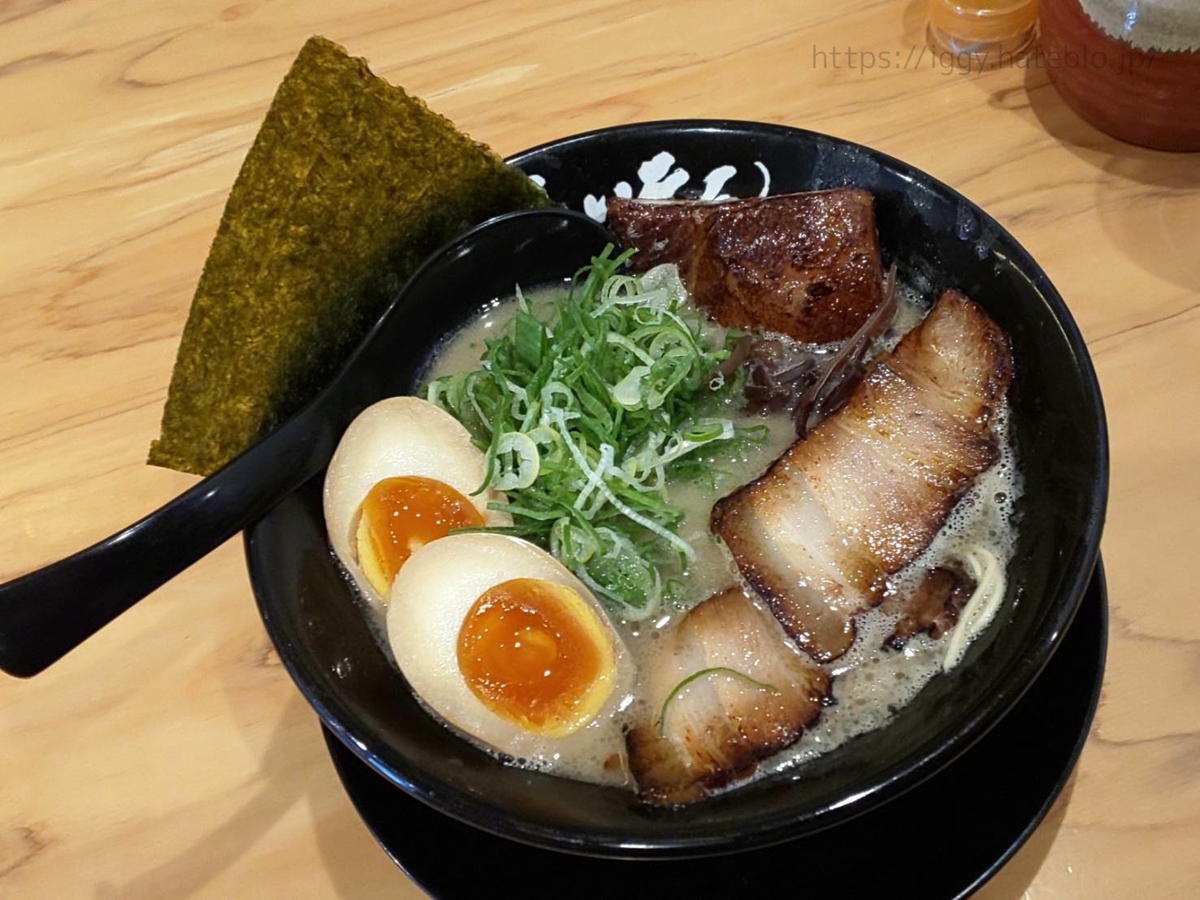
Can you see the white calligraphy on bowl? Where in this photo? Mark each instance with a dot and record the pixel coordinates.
(661, 179)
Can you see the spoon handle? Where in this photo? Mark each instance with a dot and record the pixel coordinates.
(50, 611)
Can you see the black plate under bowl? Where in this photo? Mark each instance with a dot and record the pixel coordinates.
(943, 839)
(938, 239)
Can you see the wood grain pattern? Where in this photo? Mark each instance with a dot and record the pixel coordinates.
(170, 756)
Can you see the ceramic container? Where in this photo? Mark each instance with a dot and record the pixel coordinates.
(1130, 67)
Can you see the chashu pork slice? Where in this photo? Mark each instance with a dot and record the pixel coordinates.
(806, 265)
(895, 460)
(885, 471)
(813, 576)
(749, 693)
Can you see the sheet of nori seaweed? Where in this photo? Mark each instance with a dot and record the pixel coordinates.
(349, 185)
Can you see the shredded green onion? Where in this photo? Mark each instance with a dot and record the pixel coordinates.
(704, 673)
(586, 411)
(518, 460)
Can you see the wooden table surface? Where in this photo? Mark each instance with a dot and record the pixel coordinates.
(171, 756)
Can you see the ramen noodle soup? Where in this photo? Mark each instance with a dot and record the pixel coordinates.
(584, 588)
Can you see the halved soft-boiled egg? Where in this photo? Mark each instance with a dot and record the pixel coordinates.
(501, 641)
(402, 476)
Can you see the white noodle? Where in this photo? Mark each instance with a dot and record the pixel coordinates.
(981, 608)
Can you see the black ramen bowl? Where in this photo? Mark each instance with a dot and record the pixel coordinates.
(938, 239)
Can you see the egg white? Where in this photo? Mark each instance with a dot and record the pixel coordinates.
(430, 598)
(394, 437)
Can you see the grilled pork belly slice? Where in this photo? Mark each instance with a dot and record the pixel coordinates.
(792, 553)
(885, 471)
(752, 695)
(806, 265)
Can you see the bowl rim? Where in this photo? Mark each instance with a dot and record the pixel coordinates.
(887, 785)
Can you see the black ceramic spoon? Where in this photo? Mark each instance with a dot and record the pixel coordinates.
(48, 612)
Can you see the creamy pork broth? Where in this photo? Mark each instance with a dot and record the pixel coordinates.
(870, 683)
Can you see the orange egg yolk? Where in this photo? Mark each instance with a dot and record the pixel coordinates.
(400, 515)
(536, 654)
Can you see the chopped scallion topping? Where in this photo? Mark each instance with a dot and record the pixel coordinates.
(704, 673)
(586, 411)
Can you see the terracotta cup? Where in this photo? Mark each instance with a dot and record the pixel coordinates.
(1130, 67)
